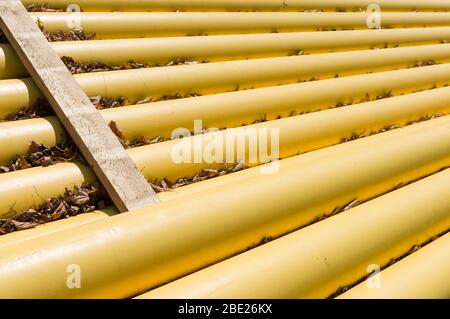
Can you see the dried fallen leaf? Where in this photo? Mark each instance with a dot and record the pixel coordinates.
(43, 7)
(82, 199)
(106, 103)
(41, 155)
(207, 173)
(40, 109)
(118, 132)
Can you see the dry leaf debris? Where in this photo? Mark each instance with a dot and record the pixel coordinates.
(41, 155)
(82, 199)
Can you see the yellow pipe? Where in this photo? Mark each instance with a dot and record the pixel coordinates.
(371, 233)
(241, 5)
(217, 77)
(359, 145)
(424, 274)
(225, 110)
(296, 135)
(223, 47)
(15, 94)
(55, 186)
(55, 226)
(10, 65)
(177, 193)
(236, 108)
(116, 25)
(15, 136)
(180, 236)
(218, 182)
(38, 183)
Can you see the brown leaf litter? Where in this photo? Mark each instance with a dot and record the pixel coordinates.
(76, 67)
(41, 155)
(101, 102)
(177, 96)
(262, 241)
(43, 7)
(386, 128)
(40, 109)
(82, 199)
(207, 173)
(419, 64)
(142, 141)
(71, 35)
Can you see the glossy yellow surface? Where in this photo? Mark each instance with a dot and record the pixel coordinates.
(423, 275)
(209, 78)
(294, 135)
(53, 227)
(180, 236)
(297, 135)
(39, 183)
(265, 61)
(225, 47)
(315, 261)
(269, 103)
(238, 5)
(117, 25)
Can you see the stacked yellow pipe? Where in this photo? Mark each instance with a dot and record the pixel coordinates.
(245, 107)
(134, 120)
(15, 136)
(116, 25)
(218, 77)
(39, 183)
(295, 135)
(424, 274)
(242, 5)
(304, 265)
(27, 188)
(183, 191)
(203, 228)
(55, 226)
(224, 47)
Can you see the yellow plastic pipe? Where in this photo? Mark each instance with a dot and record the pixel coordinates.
(55, 226)
(15, 136)
(217, 77)
(424, 274)
(179, 192)
(134, 120)
(26, 188)
(183, 191)
(38, 184)
(224, 47)
(359, 145)
(180, 236)
(226, 109)
(116, 25)
(241, 5)
(295, 135)
(54, 186)
(315, 261)
(194, 188)
(17, 93)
